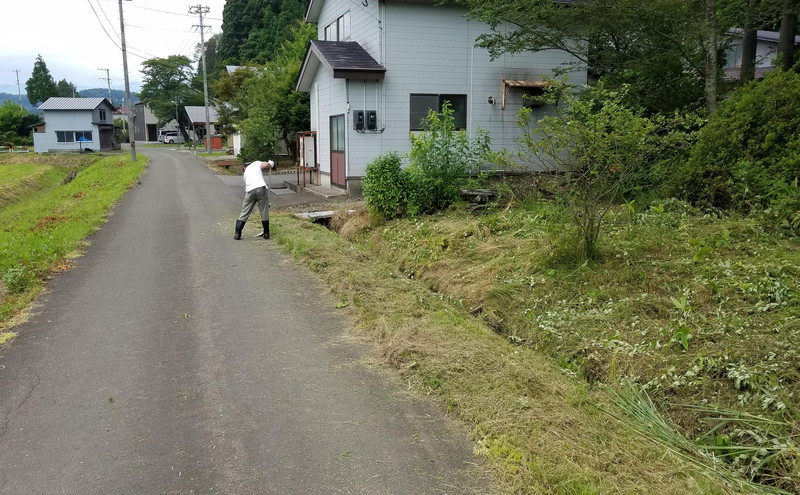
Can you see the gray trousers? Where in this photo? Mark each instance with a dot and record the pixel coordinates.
(259, 196)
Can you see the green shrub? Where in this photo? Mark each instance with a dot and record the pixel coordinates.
(386, 187)
(749, 153)
(440, 158)
(601, 144)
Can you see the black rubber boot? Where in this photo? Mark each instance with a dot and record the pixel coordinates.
(239, 227)
(265, 224)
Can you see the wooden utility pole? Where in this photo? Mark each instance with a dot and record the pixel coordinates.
(201, 11)
(127, 83)
(19, 91)
(107, 79)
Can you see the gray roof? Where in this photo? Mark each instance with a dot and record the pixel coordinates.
(771, 36)
(59, 103)
(343, 59)
(198, 114)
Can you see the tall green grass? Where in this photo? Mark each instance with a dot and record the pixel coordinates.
(38, 233)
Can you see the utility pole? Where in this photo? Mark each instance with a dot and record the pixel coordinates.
(108, 80)
(19, 91)
(201, 11)
(127, 82)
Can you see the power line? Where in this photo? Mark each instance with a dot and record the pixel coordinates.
(111, 24)
(171, 13)
(158, 29)
(102, 25)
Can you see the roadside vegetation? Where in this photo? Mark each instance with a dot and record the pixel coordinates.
(642, 299)
(48, 205)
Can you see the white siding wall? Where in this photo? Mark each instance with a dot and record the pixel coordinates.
(65, 120)
(426, 49)
(363, 22)
(328, 97)
(431, 50)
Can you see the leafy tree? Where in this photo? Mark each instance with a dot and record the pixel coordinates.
(227, 88)
(166, 87)
(747, 156)
(600, 144)
(662, 50)
(67, 89)
(15, 124)
(40, 86)
(269, 108)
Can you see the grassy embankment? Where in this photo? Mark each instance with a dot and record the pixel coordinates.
(536, 355)
(43, 222)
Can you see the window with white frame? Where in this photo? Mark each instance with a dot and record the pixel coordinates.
(338, 30)
(421, 104)
(73, 136)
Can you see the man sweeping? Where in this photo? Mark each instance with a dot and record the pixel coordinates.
(255, 192)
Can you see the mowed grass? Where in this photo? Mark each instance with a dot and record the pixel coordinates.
(20, 181)
(41, 230)
(700, 311)
(542, 429)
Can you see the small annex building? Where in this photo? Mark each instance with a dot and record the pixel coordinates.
(72, 124)
(378, 67)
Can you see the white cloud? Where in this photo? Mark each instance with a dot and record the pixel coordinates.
(70, 37)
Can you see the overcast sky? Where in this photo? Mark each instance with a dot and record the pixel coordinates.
(70, 36)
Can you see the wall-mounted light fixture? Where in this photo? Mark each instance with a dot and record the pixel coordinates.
(491, 100)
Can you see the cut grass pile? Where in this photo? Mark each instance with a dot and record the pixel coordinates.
(37, 234)
(542, 431)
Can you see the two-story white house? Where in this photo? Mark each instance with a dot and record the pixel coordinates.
(766, 51)
(72, 124)
(380, 65)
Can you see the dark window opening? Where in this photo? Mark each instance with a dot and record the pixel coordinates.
(338, 30)
(421, 104)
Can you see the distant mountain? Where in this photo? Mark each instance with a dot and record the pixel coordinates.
(117, 95)
(13, 98)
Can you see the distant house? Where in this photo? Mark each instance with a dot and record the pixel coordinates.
(378, 67)
(144, 122)
(766, 51)
(71, 124)
(197, 119)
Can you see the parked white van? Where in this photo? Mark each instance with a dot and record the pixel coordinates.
(172, 137)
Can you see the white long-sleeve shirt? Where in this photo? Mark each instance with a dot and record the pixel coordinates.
(253, 177)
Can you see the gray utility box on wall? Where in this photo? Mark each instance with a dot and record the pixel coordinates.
(365, 120)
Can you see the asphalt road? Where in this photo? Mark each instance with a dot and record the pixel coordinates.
(173, 359)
